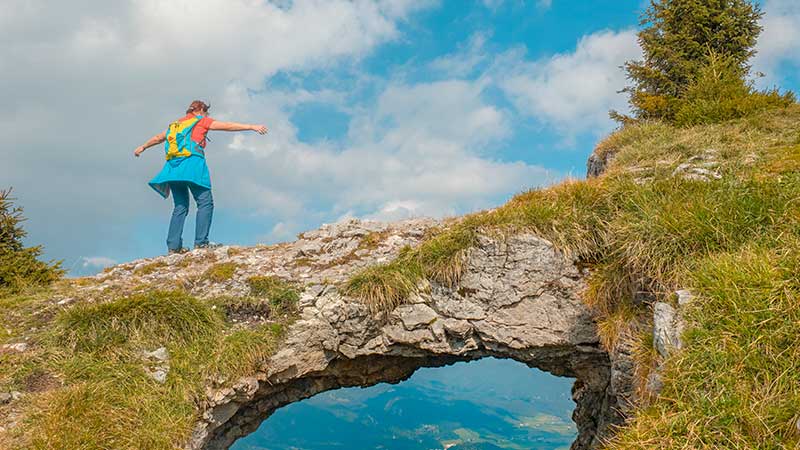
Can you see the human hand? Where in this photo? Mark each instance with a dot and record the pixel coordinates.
(139, 150)
(260, 129)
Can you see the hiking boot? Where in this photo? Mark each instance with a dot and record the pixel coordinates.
(208, 245)
(178, 251)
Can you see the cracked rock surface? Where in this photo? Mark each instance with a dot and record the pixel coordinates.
(327, 255)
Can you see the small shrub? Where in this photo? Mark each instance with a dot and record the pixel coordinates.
(719, 93)
(220, 272)
(19, 266)
(676, 38)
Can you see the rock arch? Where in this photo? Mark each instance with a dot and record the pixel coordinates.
(518, 298)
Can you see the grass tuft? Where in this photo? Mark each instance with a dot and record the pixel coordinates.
(153, 318)
(735, 383)
(384, 287)
(220, 272)
(282, 295)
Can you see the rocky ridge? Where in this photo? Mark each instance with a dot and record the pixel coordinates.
(327, 255)
(518, 298)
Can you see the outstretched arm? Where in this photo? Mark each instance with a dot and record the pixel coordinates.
(234, 126)
(157, 139)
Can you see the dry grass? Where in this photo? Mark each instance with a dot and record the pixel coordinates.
(384, 287)
(85, 379)
(372, 239)
(233, 251)
(646, 360)
(735, 384)
(220, 272)
(617, 324)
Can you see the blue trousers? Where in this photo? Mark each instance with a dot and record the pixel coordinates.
(205, 211)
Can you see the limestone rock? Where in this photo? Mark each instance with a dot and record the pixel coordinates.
(158, 364)
(668, 325)
(684, 297)
(517, 298)
(319, 258)
(665, 332)
(159, 374)
(16, 347)
(159, 354)
(597, 164)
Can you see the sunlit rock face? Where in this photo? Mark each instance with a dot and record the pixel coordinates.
(518, 298)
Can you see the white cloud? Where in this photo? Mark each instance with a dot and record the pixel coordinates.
(85, 82)
(280, 232)
(779, 43)
(466, 60)
(417, 151)
(572, 91)
(98, 262)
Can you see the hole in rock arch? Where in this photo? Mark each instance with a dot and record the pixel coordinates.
(484, 404)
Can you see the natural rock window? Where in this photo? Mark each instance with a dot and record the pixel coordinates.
(486, 404)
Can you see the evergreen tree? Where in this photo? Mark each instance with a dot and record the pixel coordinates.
(677, 40)
(19, 266)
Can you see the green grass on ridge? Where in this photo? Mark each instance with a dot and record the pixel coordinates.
(733, 241)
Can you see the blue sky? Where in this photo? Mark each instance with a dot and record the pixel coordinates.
(378, 109)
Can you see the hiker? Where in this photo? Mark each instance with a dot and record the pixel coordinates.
(186, 170)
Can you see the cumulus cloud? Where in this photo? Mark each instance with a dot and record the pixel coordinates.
(463, 62)
(572, 91)
(418, 150)
(779, 43)
(86, 82)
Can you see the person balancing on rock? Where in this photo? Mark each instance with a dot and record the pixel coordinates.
(186, 170)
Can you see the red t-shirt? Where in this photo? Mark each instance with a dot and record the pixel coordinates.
(200, 130)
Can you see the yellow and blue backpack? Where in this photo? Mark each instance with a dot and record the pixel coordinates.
(179, 143)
